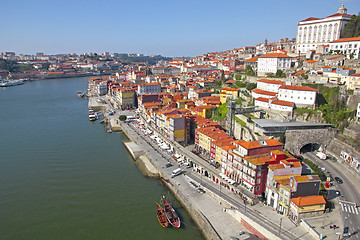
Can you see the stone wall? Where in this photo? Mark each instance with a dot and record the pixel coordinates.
(296, 139)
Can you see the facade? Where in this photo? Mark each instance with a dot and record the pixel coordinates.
(271, 62)
(350, 47)
(125, 98)
(102, 88)
(274, 104)
(313, 32)
(149, 88)
(300, 95)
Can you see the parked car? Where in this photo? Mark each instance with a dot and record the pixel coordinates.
(193, 184)
(339, 180)
(200, 190)
(168, 165)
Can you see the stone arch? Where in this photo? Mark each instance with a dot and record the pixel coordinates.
(296, 139)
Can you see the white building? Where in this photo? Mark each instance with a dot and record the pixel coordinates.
(269, 85)
(350, 47)
(300, 95)
(313, 32)
(271, 62)
(274, 104)
(102, 88)
(149, 88)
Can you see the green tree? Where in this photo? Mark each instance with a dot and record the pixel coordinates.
(249, 71)
(122, 118)
(279, 74)
(251, 86)
(352, 28)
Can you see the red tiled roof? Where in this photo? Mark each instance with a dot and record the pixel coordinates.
(274, 55)
(308, 201)
(283, 103)
(347, 39)
(298, 88)
(262, 92)
(271, 81)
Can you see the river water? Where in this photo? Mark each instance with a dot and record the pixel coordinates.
(64, 177)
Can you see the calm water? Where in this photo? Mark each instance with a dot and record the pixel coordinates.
(64, 177)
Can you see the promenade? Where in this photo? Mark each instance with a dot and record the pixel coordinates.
(223, 210)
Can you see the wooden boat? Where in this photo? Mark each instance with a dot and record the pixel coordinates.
(161, 216)
(171, 215)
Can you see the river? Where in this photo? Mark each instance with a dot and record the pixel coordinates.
(64, 177)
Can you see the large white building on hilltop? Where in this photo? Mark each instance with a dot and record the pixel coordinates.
(313, 32)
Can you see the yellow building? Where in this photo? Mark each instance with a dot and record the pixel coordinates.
(125, 97)
(302, 207)
(227, 92)
(352, 81)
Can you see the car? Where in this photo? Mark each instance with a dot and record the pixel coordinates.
(193, 184)
(168, 165)
(200, 190)
(338, 180)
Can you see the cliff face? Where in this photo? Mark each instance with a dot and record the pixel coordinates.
(316, 117)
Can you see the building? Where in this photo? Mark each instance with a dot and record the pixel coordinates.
(313, 32)
(125, 98)
(227, 92)
(149, 88)
(269, 85)
(300, 95)
(272, 62)
(302, 207)
(350, 47)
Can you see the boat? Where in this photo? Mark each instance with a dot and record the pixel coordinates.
(171, 214)
(161, 216)
(9, 83)
(81, 95)
(92, 115)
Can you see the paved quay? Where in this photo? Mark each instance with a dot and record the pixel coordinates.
(223, 215)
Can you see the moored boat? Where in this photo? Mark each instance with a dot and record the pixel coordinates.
(9, 83)
(161, 216)
(171, 214)
(92, 115)
(81, 95)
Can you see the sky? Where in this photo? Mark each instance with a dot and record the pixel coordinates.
(172, 28)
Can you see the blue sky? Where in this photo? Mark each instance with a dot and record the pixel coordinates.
(169, 28)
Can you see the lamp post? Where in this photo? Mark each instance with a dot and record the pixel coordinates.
(280, 225)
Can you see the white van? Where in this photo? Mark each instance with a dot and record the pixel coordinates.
(176, 172)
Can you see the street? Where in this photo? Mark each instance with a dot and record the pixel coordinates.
(349, 197)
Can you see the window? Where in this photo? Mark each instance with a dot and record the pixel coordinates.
(258, 188)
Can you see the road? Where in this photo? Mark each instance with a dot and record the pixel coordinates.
(349, 198)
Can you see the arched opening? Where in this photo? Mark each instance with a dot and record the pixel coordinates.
(206, 174)
(310, 147)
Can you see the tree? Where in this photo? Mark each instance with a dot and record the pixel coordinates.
(352, 28)
(122, 118)
(249, 71)
(282, 138)
(279, 74)
(251, 86)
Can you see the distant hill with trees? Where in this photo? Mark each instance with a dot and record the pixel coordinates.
(352, 29)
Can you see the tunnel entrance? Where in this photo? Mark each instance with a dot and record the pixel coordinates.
(310, 147)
